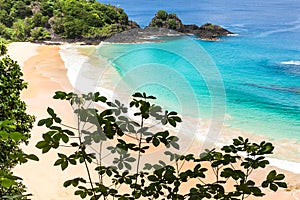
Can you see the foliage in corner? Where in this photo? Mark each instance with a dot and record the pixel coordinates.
(124, 138)
(15, 126)
(32, 20)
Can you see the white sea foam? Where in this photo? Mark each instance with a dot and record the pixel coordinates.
(290, 166)
(267, 33)
(233, 35)
(73, 61)
(88, 73)
(291, 62)
(286, 165)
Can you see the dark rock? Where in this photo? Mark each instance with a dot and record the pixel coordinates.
(170, 21)
(148, 34)
(207, 31)
(132, 25)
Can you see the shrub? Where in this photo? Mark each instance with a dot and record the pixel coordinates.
(39, 33)
(171, 23)
(162, 14)
(125, 140)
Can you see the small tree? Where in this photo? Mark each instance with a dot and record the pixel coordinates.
(162, 14)
(171, 23)
(126, 139)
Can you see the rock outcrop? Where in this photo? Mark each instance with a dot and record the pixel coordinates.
(148, 34)
(207, 31)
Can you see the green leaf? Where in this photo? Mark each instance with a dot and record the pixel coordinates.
(271, 175)
(60, 95)
(57, 120)
(41, 144)
(16, 136)
(177, 119)
(72, 161)
(256, 191)
(120, 165)
(273, 187)
(58, 162)
(127, 165)
(74, 144)
(32, 157)
(265, 184)
(155, 142)
(175, 145)
(109, 173)
(281, 184)
(65, 138)
(279, 177)
(41, 122)
(137, 94)
(46, 149)
(172, 122)
(64, 165)
(131, 159)
(4, 135)
(67, 183)
(152, 178)
(51, 112)
(173, 113)
(6, 182)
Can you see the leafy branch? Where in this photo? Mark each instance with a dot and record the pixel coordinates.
(122, 142)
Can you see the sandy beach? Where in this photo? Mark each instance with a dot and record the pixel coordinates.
(45, 73)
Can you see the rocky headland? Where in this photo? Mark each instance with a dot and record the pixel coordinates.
(164, 24)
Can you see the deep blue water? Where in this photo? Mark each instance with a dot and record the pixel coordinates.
(259, 68)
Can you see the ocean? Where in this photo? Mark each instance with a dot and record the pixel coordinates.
(249, 81)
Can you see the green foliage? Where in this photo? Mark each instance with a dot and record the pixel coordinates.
(126, 140)
(39, 33)
(162, 14)
(165, 20)
(171, 23)
(67, 18)
(15, 125)
(3, 49)
(11, 105)
(210, 26)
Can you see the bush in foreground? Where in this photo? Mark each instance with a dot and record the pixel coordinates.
(126, 139)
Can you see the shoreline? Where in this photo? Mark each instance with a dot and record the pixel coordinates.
(227, 132)
(45, 73)
(42, 84)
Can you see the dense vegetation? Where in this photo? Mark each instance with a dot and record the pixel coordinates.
(69, 19)
(165, 20)
(15, 126)
(112, 146)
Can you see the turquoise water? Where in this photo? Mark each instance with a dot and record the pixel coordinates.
(262, 95)
(251, 80)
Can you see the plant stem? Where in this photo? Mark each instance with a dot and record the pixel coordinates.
(85, 162)
(139, 155)
(69, 126)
